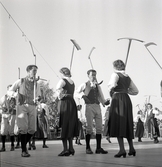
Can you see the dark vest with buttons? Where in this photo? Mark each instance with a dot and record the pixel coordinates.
(92, 93)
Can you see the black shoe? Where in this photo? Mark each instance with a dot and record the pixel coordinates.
(101, 151)
(33, 146)
(108, 139)
(120, 155)
(12, 148)
(89, 151)
(64, 153)
(44, 146)
(2, 149)
(25, 154)
(29, 148)
(132, 153)
(156, 141)
(79, 143)
(72, 152)
(107, 102)
(17, 146)
(139, 140)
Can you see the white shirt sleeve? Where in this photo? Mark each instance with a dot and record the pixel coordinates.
(12, 92)
(79, 92)
(113, 81)
(60, 84)
(2, 102)
(59, 88)
(133, 90)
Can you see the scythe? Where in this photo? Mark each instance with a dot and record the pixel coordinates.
(130, 41)
(91, 63)
(75, 45)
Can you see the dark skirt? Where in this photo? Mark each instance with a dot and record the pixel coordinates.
(68, 120)
(105, 130)
(121, 117)
(42, 127)
(139, 129)
(157, 131)
(80, 129)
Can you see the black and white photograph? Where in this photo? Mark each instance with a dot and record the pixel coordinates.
(81, 83)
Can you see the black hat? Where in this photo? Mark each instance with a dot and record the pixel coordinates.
(29, 67)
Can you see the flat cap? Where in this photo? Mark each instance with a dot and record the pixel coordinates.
(29, 67)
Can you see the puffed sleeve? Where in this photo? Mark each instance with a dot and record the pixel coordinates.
(133, 90)
(59, 89)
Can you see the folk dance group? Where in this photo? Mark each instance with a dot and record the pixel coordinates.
(120, 121)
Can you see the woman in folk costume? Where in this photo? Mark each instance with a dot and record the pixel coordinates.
(139, 119)
(67, 109)
(42, 123)
(121, 116)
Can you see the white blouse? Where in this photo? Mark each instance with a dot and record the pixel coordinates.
(132, 90)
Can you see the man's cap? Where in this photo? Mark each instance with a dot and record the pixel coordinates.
(29, 67)
(91, 70)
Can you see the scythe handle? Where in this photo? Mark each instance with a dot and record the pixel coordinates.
(128, 52)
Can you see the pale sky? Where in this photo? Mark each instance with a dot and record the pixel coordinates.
(50, 25)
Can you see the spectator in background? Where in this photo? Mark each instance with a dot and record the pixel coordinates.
(151, 122)
(139, 119)
(8, 110)
(80, 126)
(105, 131)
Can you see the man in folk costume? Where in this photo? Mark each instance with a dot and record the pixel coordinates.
(92, 94)
(8, 110)
(27, 91)
(151, 122)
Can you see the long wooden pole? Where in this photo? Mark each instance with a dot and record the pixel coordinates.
(72, 57)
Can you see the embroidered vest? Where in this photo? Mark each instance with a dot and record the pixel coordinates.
(26, 92)
(150, 115)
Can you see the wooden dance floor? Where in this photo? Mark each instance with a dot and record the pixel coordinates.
(148, 155)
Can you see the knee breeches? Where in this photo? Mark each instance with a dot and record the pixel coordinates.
(7, 124)
(26, 118)
(93, 112)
